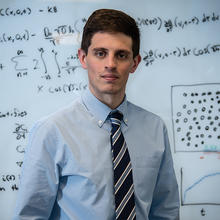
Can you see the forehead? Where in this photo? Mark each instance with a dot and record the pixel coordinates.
(111, 41)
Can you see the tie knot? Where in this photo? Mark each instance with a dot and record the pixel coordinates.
(116, 117)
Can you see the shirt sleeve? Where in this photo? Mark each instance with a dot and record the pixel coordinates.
(165, 203)
(39, 177)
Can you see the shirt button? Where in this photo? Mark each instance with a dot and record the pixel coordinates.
(100, 122)
(126, 120)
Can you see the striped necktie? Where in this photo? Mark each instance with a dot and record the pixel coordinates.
(123, 180)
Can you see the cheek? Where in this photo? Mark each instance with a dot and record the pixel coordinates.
(94, 67)
(126, 69)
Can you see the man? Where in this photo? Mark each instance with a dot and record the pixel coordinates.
(71, 168)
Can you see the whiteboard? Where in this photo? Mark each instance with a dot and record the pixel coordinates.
(178, 79)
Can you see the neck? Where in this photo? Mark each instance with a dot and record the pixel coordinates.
(109, 99)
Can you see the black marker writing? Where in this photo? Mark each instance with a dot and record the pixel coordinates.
(19, 163)
(36, 63)
(1, 66)
(8, 178)
(41, 50)
(15, 60)
(40, 88)
(14, 12)
(14, 187)
(57, 64)
(2, 189)
(176, 23)
(18, 37)
(15, 113)
(152, 55)
(20, 131)
(54, 34)
(20, 149)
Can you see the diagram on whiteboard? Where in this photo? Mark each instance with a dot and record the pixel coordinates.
(200, 188)
(196, 117)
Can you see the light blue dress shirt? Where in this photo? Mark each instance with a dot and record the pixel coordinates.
(67, 171)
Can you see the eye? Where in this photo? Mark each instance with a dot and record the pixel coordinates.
(122, 55)
(100, 53)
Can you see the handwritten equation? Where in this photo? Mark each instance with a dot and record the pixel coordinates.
(53, 34)
(19, 131)
(152, 55)
(15, 113)
(7, 12)
(17, 37)
(9, 182)
(63, 88)
(24, 65)
(170, 24)
(56, 33)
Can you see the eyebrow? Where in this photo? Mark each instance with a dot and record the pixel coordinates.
(99, 48)
(117, 51)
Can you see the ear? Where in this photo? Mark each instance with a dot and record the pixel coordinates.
(137, 60)
(82, 58)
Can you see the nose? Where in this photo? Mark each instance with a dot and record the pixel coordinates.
(110, 62)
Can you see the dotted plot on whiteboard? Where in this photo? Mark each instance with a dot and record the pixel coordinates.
(196, 117)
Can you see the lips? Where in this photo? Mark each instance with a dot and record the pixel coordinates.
(110, 77)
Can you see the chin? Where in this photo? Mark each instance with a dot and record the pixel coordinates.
(110, 91)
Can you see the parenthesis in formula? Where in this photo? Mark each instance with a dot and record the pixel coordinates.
(27, 33)
(10, 177)
(179, 54)
(160, 23)
(197, 20)
(6, 11)
(29, 11)
(4, 37)
(175, 21)
(155, 54)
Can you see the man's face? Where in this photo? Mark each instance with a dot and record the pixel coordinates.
(109, 61)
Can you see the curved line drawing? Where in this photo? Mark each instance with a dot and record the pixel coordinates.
(197, 182)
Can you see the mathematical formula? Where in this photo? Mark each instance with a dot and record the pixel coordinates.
(15, 113)
(25, 65)
(9, 182)
(7, 12)
(170, 24)
(52, 34)
(152, 55)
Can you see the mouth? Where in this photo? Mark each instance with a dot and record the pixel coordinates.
(110, 77)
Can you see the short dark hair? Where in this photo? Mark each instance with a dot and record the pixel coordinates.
(111, 21)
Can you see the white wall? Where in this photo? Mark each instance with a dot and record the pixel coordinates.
(179, 73)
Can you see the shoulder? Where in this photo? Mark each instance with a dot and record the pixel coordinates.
(143, 114)
(60, 118)
(145, 120)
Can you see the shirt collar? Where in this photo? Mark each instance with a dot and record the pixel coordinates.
(101, 111)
